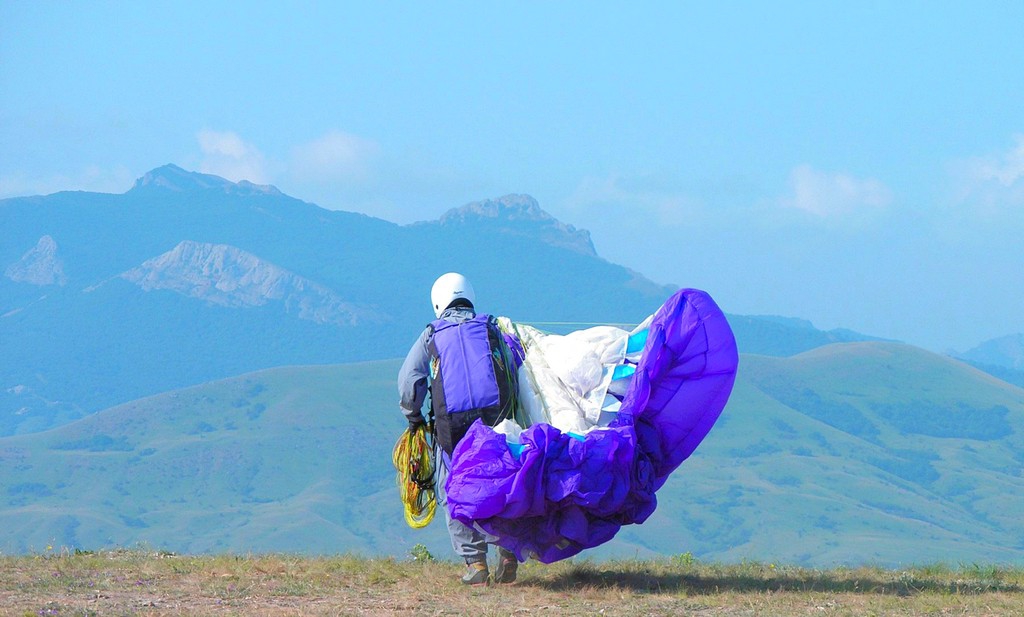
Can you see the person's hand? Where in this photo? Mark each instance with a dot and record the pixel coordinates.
(415, 422)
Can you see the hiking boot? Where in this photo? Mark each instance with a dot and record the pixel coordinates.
(476, 573)
(507, 567)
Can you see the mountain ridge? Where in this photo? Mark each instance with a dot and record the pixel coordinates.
(521, 213)
(1002, 357)
(1006, 351)
(355, 288)
(173, 178)
(352, 287)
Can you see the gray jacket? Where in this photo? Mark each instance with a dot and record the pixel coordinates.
(412, 379)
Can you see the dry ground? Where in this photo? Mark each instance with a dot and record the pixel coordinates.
(147, 583)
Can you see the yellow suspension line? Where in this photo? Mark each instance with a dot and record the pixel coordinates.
(413, 458)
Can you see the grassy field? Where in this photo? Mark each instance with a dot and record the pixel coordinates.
(151, 583)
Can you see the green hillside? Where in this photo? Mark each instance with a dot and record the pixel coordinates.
(290, 459)
(850, 453)
(855, 453)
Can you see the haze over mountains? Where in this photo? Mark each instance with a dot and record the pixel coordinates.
(189, 277)
(131, 324)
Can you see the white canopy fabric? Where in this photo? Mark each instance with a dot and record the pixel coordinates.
(571, 381)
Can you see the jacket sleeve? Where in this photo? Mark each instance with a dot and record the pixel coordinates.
(412, 378)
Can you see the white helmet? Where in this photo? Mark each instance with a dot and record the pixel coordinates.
(449, 288)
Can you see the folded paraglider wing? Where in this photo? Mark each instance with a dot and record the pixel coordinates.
(553, 490)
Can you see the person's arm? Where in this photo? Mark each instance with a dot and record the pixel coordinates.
(412, 380)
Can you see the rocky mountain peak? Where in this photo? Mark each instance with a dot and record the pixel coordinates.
(512, 207)
(173, 178)
(41, 265)
(229, 276)
(521, 214)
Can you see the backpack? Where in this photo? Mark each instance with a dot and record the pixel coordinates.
(472, 375)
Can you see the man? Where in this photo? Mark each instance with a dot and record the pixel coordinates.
(453, 300)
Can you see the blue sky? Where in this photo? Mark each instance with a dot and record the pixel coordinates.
(860, 165)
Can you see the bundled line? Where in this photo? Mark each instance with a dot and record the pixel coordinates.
(413, 458)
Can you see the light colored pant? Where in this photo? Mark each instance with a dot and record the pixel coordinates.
(469, 543)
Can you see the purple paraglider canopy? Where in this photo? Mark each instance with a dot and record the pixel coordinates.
(558, 493)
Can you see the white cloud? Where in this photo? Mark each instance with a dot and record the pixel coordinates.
(1006, 169)
(335, 157)
(993, 186)
(834, 195)
(229, 156)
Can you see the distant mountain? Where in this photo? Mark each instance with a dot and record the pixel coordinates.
(189, 277)
(174, 178)
(771, 335)
(1005, 351)
(520, 215)
(848, 454)
(1002, 357)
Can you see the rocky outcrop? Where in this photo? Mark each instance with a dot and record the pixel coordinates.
(41, 265)
(228, 276)
(521, 214)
